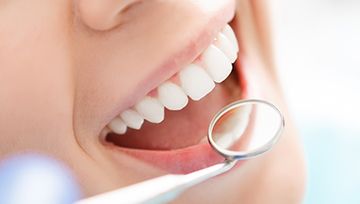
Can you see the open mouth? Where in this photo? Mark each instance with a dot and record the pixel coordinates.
(168, 126)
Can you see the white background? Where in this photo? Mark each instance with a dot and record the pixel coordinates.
(317, 46)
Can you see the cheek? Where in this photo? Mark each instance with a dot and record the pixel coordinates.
(35, 79)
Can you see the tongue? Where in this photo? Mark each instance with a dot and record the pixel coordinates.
(180, 128)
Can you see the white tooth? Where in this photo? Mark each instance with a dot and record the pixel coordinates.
(216, 64)
(195, 82)
(231, 130)
(151, 109)
(172, 96)
(117, 126)
(224, 44)
(132, 119)
(229, 33)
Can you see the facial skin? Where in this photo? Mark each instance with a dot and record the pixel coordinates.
(67, 67)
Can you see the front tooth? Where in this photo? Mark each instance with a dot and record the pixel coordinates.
(132, 119)
(224, 44)
(117, 126)
(216, 64)
(195, 82)
(151, 109)
(172, 96)
(229, 33)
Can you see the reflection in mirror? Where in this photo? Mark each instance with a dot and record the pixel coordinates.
(246, 127)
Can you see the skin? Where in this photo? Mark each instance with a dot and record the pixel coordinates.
(64, 63)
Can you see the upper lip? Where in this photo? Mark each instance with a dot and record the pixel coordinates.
(173, 62)
(198, 42)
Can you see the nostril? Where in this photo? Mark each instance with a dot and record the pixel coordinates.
(102, 14)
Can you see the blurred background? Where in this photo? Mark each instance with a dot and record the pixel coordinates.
(317, 46)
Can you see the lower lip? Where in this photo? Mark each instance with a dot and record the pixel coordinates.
(185, 160)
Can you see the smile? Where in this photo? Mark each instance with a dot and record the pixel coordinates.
(196, 81)
(167, 126)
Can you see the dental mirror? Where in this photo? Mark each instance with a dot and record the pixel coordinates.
(245, 129)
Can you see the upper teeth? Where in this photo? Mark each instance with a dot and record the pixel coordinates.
(195, 80)
(172, 96)
(217, 65)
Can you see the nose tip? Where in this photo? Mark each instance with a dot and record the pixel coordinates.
(102, 14)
